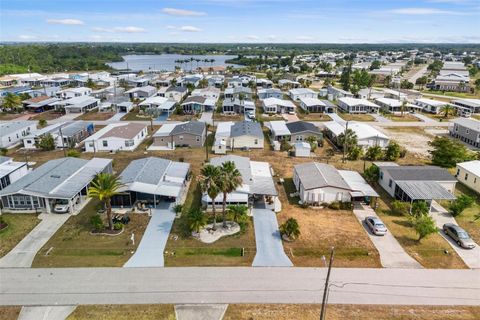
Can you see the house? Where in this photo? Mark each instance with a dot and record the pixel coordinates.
(402, 94)
(13, 132)
(468, 173)
(354, 105)
(59, 185)
(190, 79)
(302, 149)
(197, 104)
(60, 81)
(74, 92)
(159, 105)
(287, 83)
(124, 107)
(174, 93)
(237, 106)
(278, 130)
(39, 104)
(264, 83)
(184, 134)
(319, 183)
(317, 105)
(334, 93)
(367, 136)
(142, 81)
(141, 92)
(238, 92)
(80, 104)
(369, 93)
(466, 130)
(467, 106)
(274, 105)
(208, 92)
(216, 81)
(11, 171)
(269, 93)
(65, 134)
(413, 183)
(117, 137)
(454, 67)
(451, 82)
(430, 105)
(14, 90)
(395, 106)
(302, 131)
(296, 94)
(151, 181)
(238, 135)
(257, 184)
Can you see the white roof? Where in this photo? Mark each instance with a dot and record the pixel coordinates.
(394, 102)
(224, 128)
(278, 102)
(154, 100)
(431, 102)
(355, 102)
(9, 166)
(279, 128)
(312, 102)
(301, 91)
(362, 130)
(471, 166)
(471, 102)
(357, 184)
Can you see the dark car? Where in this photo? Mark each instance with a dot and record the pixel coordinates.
(459, 235)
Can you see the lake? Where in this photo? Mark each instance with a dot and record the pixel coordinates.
(166, 62)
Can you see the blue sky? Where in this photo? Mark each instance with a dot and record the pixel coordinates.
(250, 21)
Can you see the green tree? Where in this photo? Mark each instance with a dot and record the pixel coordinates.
(46, 142)
(238, 212)
(477, 84)
(447, 152)
(312, 140)
(290, 228)
(392, 152)
(463, 202)
(372, 173)
(354, 153)
(104, 187)
(230, 179)
(210, 184)
(374, 153)
(376, 64)
(42, 123)
(3, 151)
(423, 225)
(446, 110)
(196, 219)
(400, 207)
(11, 102)
(345, 77)
(420, 208)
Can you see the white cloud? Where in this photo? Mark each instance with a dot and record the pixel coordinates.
(190, 29)
(182, 12)
(252, 37)
(304, 38)
(129, 29)
(423, 11)
(26, 37)
(170, 27)
(69, 22)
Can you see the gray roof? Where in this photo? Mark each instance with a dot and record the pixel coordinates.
(147, 170)
(12, 126)
(469, 123)
(418, 173)
(241, 163)
(246, 128)
(177, 89)
(301, 126)
(4, 159)
(192, 127)
(197, 99)
(60, 178)
(315, 175)
(74, 127)
(425, 190)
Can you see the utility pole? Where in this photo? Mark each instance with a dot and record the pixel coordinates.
(345, 143)
(323, 310)
(63, 143)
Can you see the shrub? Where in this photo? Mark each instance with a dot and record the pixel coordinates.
(96, 222)
(290, 228)
(334, 205)
(178, 208)
(355, 153)
(117, 226)
(462, 203)
(73, 153)
(400, 207)
(3, 151)
(374, 153)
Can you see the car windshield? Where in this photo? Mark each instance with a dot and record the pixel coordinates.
(379, 225)
(463, 235)
(62, 202)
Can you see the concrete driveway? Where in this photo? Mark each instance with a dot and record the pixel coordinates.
(200, 311)
(22, 255)
(290, 117)
(391, 252)
(47, 312)
(335, 117)
(270, 251)
(424, 118)
(116, 117)
(471, 257)
(207, 117)
(150, 250)
(380, 118)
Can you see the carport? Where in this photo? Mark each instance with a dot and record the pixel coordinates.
(361, 190)
(410, 191)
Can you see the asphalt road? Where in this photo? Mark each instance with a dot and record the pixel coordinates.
(67, 286)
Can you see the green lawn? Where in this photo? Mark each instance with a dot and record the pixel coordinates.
(73, 245)
(452, 94)
(19, 225)
(123, 312)
(469, 219)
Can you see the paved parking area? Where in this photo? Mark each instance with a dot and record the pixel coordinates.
(150, 250)
(270, 251)
(392, 254)
(471, 257)
(24, 252)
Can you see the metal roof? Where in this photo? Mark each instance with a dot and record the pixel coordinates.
(418, 173)
(192, 127)
(357, 183)
(425, 190)
(302, 126)
(469, 123)
(13, 126)
(315, 175)
(471, 166)
(246, 128)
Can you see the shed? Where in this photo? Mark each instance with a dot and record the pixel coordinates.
(302, 149)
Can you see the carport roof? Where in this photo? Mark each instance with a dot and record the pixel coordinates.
(425, 190)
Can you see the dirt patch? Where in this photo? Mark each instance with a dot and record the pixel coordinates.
(415, 140)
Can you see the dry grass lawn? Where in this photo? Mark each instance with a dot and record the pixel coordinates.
(227, 117)
(95, 115)
(5, 116)
(9, 313)
(399, 118)
(350, 312)
(469, 219)
(123, 312)
(47, 115)
(313, 116)
(356, 117)
(19, 225)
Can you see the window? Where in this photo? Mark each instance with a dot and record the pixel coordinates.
(467, 132)
(180, 137)
(381, 175)
(466, 176)
(390, 183)
(256, 141)
(105, 143)
(129, 143)
(458, 172)
(198, 138)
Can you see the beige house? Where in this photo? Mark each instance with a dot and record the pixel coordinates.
(468, 173)
(184, 134)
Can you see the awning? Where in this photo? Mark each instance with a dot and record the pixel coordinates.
(358, 185)
(425, 190)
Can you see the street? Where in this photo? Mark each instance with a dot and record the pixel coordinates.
(72, 286)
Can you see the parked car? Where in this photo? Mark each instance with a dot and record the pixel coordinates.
(459, 235)
(251, 114)
(376, 225)
(61, 206)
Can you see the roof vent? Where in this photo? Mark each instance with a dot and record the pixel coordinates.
(55, 176)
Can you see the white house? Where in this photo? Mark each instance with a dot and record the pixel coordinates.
(78, 104)
(354, 105)
(468, 173)
(317, 105)
(74, 92)
(11, 171)
(296, 94)
(395, 106)
(274, 105)
(269, 93)
(12, 132)
(141, 92)
(430, 105)
(158, 105)
(367, 136)
(117, 137)
(238, 135)
(65, 134)
(208, 92)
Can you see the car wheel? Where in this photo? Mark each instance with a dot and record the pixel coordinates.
(459, 243)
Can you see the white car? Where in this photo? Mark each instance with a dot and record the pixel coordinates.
(251, 115)
(61, 206)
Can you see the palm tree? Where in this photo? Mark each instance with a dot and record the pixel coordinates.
(346, 140)
(196, 219)
(209, 183)
(230, 180)
(104, 187)
(290, 228)
(238, 212)
(446, 109)
(11, 101)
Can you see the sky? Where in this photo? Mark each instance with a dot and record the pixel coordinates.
(242, 21)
